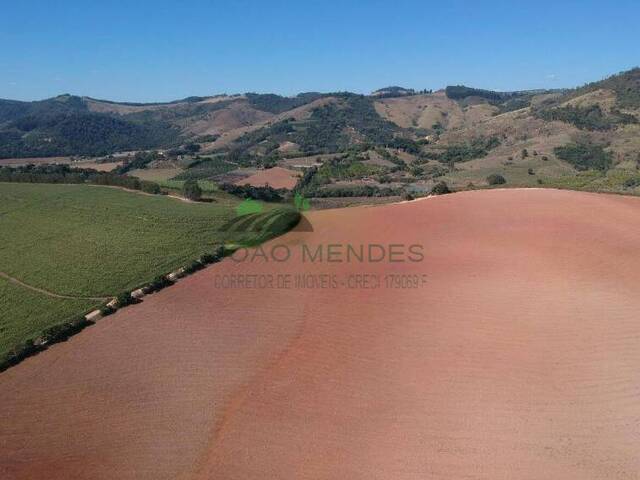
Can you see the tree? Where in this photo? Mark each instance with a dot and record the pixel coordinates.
(192, 148)
(440, 188)
(192, 190)
(496, 179)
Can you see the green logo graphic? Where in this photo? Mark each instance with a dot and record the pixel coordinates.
(248, 207)
(301, 203)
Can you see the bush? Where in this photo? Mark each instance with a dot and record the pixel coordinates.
(192, 190)
(150, 187)
(215, 257)
(124, 299)
(496, 179)
(158, 284)
(105, 311)
(192, 267)
(440, 188)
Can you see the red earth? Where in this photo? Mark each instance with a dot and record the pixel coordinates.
(275, 177)
(517, 358)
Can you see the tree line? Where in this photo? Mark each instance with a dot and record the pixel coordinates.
(66, 174)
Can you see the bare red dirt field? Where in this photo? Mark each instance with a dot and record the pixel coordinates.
(276, 177)
(517, 359)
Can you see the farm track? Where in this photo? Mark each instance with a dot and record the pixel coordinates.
(47, 292)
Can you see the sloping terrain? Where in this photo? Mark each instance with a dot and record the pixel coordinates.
(461, 135)
(517, 358)
(298, 113)
(275, 177)
(71, 125)
(425, 111)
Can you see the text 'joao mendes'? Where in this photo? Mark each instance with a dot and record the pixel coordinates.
(334, 253)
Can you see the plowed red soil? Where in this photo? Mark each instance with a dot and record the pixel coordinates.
(519, 359)
(275, 177)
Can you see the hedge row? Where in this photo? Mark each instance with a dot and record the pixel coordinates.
(67, 175)
(56, 334)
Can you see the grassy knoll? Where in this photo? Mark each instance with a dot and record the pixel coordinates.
(25, 312)
(89, 241)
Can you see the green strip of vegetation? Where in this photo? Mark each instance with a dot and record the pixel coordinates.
(65, 174)
(587, 118)
(585, 156)
(463, 152)
(206, 168)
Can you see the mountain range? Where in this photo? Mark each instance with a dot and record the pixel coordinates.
(393, 137)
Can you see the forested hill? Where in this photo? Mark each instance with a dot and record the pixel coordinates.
(65, 126)
(259, 129)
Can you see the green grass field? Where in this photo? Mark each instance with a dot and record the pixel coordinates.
(86, 241)
(95, 241)
(25, 313)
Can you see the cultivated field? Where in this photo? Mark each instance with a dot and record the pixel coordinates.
(517, 359)
(276, 177)
(82, 241)
(26, 311)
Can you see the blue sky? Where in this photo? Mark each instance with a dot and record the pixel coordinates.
(162, 50)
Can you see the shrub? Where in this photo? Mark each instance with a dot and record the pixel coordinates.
(150, 187)
(192, 190)
(192, 267)
(440, 188)
(158, 284)
(496, 179)
(215, 257)
(105, 311)
(124, 299)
